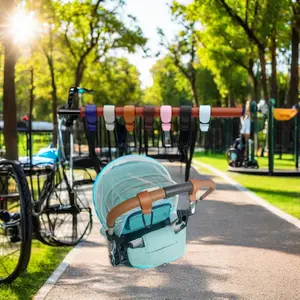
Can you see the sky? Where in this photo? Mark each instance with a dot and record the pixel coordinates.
(150, 14)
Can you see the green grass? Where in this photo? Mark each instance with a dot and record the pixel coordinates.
(283, 192)
(286, 162)
(38, 142)
(43, 262)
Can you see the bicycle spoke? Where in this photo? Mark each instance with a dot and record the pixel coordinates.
(12, 253)
(4, 267)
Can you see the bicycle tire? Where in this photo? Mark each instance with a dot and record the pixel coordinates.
(86, 221)
(25, 220)
(41, 235)
(55, 225)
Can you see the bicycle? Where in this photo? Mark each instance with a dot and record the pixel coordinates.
(53, 210)
(15, 221)
(61, 212)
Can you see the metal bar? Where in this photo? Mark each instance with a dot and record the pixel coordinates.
(271, 133)
(178, 189)
(71, 157)
(217, 112)
(297, 136)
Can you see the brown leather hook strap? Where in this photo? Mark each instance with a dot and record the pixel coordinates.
(148, 118)
(145, 202)
(129, 117)
(142, 199)
(197, 185)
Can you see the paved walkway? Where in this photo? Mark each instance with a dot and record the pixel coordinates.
(236, 250)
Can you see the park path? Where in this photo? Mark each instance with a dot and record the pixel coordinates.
(236, 249)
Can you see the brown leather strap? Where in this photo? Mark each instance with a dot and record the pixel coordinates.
(197, 185)
(149, 118)
(145, 202)
(129, 117)
(132, 203)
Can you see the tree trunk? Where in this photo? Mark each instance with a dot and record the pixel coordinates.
(294, 77)
(194, 88)
(50, 61)
(274, 68)
(80, 69)
(31, 93)
(262, 59)
(54, 115)
(232, 101)
(54, 101)
(219, 102)
(79, 75)
(78, 78)
(31, 104)
(9, 102)
(255, 93)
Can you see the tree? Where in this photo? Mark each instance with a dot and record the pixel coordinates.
(171, 87)
(295, 40)
(9, 93)
(115, 81)
(51, 47)
(79, 34)
(50, 14)
(184, 47)
(249, 25)
(92, 29)
(249, 34)
(225, 50)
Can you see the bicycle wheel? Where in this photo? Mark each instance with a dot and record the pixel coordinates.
(66, 218)
(15, 221)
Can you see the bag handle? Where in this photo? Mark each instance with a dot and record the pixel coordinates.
(145, 199)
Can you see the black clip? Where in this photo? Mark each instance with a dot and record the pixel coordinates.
(120, 135)
(185, 117)
(185, 127)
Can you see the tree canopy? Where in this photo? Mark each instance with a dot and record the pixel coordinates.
(224, 52)
(248, 46)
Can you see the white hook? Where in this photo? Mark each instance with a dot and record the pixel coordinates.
(109, 117)
(204, 117)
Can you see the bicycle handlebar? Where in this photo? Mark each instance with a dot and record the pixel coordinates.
(84, 90)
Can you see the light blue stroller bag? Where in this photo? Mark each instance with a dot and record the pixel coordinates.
(136, 201)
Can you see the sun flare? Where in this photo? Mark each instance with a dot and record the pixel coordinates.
(24, 26)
